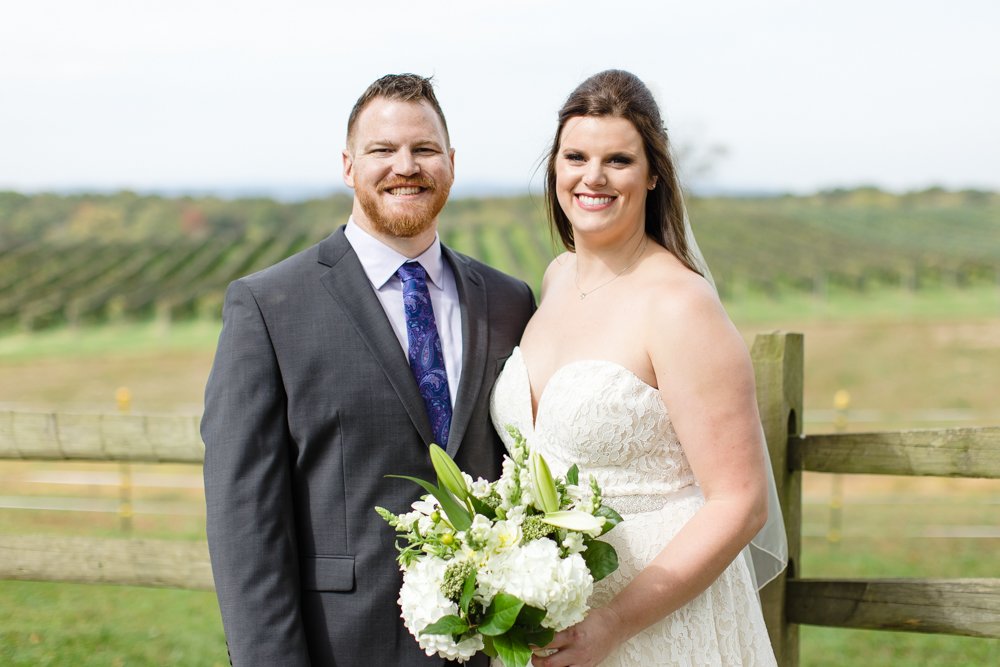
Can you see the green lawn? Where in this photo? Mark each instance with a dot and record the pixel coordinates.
(78, 625)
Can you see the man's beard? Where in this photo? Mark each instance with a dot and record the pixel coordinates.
(415, 218)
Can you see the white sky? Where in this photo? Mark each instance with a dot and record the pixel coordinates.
(219, 93)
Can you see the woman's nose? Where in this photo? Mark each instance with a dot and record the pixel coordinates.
(594, 175)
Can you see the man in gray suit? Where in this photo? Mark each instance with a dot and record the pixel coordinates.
(324, 382)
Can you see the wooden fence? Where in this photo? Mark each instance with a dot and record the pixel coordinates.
(949, 606)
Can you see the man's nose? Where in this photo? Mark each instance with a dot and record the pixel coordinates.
(405, 164)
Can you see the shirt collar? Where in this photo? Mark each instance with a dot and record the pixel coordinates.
(380, 262)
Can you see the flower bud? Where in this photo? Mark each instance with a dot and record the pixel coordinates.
(449, 474)
(543, 486)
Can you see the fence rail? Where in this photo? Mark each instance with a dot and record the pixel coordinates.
(163, 563)
(48, 436)
(950, 606)
(956, 452)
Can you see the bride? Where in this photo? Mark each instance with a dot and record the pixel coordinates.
(631, 369)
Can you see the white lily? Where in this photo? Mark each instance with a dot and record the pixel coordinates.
(575, 520)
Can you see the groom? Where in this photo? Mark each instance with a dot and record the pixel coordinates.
(335, 368)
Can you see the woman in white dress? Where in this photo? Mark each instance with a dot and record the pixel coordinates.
(632, 369)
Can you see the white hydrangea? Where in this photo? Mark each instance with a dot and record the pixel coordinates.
(422, 603)
(537, 575)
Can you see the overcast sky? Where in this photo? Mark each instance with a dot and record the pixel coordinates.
(203, 94)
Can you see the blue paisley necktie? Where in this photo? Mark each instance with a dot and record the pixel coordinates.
(426, 358)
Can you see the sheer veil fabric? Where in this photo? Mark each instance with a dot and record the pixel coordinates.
(767, 553)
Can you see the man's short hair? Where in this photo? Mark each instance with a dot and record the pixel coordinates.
(402, 88)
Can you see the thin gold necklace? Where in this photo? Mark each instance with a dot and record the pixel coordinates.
(576, 272)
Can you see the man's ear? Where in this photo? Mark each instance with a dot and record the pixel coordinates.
(348, 160)
(451, 156)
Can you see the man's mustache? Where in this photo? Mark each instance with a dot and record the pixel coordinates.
(419, 182)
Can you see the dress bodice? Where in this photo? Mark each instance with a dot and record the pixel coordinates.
(601, 416)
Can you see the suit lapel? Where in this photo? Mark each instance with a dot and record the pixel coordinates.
(475, 339)
(347, 283)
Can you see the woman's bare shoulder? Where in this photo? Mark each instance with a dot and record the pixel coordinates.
(556, 267)
(671, 290)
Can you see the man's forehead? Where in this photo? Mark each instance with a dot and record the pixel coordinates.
(392, 120)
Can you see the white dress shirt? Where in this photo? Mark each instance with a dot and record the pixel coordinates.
(380, 263)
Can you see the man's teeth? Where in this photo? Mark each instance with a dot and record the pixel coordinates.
(405, 191)
(595, 201)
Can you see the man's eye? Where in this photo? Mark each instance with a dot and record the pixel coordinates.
(425, 151)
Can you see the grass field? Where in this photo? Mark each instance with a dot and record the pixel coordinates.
(901, 356)
(866, 344)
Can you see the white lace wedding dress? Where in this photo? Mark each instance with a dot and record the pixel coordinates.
(614, 426)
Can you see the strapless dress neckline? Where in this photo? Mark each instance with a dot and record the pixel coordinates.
(517, 365)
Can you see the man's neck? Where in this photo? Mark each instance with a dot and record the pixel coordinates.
(409, 247)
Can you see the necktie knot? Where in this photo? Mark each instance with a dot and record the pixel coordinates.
(411, 271)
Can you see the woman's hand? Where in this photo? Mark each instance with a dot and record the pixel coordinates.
(587, 643)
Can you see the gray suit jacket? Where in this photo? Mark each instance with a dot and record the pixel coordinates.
(310, 403)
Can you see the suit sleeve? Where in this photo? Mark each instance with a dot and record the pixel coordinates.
(250, 521)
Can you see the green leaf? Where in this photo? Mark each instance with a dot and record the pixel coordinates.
(446, 625)
(601, 558)
(530, 617)
(611, 517)
(448, 473)
(482, 508)
(573, 475)
(468, 590)
(513, 649)
(488, 648)
(540, 637)
(457, 515)
(500, 615)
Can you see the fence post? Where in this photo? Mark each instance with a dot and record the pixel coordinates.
(124, 399)
(778, 368)
(834, 533)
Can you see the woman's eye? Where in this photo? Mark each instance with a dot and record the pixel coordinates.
(621, 160)
(573, 157)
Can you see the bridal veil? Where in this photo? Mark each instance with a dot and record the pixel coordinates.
(767, 553)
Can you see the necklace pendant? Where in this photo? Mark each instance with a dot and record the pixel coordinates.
(583, 296)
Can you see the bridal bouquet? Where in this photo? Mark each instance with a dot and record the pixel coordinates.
(500, 566)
